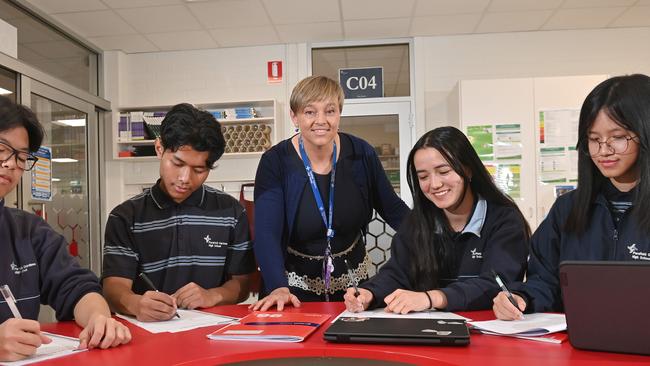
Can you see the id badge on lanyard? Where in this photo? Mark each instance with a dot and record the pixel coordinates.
(328, 263)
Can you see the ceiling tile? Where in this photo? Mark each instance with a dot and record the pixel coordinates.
(513, 21)
(376, 9)
(311, 32)
(569, 4)
(302, 11)
(446, 7)
(160, 19)
(96, 23)
(119, 4)
(637, 16)
(68, 6)
(522, 5)
(582, 18)
(133, 43)
(249, 36)
(173, 41)
(444, 24)
(230, 13)
(377, 28)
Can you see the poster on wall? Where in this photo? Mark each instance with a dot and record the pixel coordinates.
(508, 179)
(481, 139)
(508, 141)
(42, 175)
(558, 127)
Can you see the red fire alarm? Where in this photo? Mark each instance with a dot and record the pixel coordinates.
(274, 71)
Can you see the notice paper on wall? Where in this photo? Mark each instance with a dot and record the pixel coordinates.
(189, 319)
(60, 346)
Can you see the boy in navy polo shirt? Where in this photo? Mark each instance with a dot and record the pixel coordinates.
(34, 261)
(191, 241)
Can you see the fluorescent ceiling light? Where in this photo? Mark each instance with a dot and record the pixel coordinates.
(79, 122)
(5, 91)
(64, 160)
(56, 180)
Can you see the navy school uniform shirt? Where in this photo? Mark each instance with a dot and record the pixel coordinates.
(608, 237)
(204, 239)
(35, 263)
(494, 238)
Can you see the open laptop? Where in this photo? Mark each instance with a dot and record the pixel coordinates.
(607, 305)
(398, 331)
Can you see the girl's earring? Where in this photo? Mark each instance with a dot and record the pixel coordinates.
(296, 129)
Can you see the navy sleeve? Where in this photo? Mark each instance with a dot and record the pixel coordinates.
(391, 276)
(542, 286)
(240, 259)
(387, 203)
(63, 281)
(506, 251)
(120, 255)
(270, 221)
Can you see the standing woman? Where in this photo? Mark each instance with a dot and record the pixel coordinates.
(314, 196)
(608, 216)
(461, 228)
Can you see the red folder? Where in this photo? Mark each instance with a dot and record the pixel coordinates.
(271, 327)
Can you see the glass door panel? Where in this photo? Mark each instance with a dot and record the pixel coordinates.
(67, 211)
(385, 126)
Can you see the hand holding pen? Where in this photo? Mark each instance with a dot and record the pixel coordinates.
(356, 299)
(19, 337)
(506, 305)
(155, 305)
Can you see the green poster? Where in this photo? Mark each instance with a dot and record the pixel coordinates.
(481, 139)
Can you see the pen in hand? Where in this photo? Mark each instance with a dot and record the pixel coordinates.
(11, 301)
(352, 278)
(151, 286)
(503, 287)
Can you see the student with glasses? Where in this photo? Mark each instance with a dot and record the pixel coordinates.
(608, 216)
(34, 259)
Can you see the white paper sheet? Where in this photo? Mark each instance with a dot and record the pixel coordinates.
(189, 319)
(60, 346)
(380, 313)
(532, 325)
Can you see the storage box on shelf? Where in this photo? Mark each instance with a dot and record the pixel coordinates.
(249, 128)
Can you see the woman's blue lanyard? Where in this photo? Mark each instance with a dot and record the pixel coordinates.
(328, 265)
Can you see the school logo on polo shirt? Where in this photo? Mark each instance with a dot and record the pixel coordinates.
(638, 255)
(213, 244)
(21, 269)
(476, 254)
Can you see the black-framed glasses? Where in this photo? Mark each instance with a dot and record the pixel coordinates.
(24, 160)
(615, 144)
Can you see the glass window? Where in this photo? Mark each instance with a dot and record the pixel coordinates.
(394, 58)
(8, 84)
(42, 46)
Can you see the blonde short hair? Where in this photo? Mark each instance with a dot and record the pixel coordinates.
(315, 89)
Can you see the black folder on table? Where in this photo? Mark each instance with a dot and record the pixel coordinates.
(398, 331)
(607, 304)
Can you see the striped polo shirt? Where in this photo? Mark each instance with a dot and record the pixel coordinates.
(204, 239)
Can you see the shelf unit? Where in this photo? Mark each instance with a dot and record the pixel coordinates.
(245, 137)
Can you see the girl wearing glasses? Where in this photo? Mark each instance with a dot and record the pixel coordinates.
(608, 216)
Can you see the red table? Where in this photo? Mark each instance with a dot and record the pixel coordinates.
(193, 348)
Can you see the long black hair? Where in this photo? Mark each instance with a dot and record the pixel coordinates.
(431, 245)
(626, 100)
